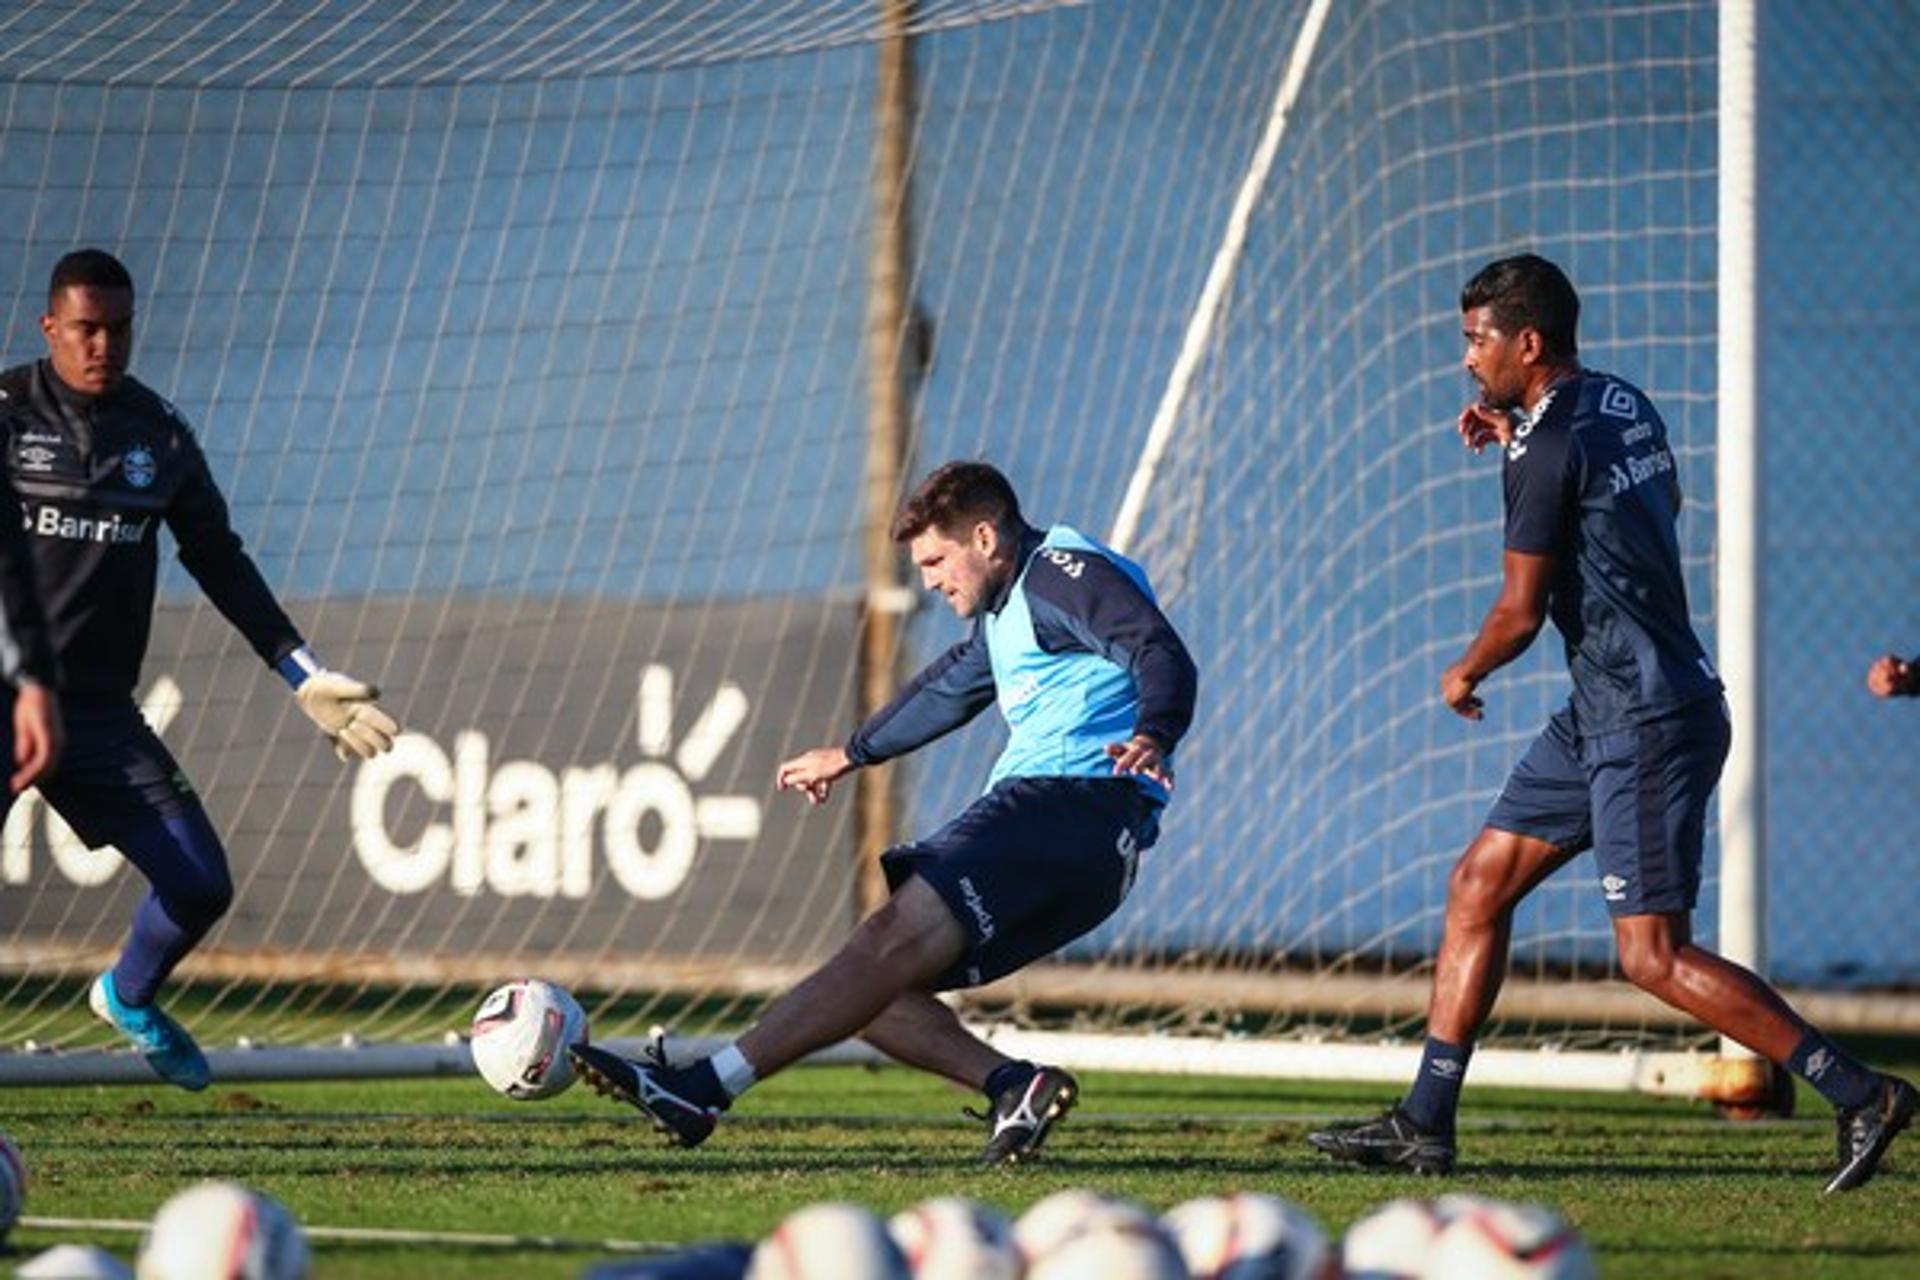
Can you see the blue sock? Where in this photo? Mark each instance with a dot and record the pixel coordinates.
(1435, 1095)
(1009, 1075)
(1845, 1082)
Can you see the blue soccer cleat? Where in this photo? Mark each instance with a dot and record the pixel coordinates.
(164, 1043)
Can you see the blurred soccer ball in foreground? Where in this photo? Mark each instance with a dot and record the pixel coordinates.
(953, 1238)
(222, 1231)
(1249, 1235)
(829, 1241)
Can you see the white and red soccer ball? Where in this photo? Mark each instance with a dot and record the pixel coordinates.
(520, 1039)
(223, 1231)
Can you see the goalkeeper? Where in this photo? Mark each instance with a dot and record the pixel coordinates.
(100, 462)
(1097, 690)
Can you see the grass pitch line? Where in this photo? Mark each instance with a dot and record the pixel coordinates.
(386, 1235)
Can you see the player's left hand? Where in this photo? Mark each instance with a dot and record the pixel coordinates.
(39, 735)
(1892, 676)
(1143, 755)
(346, 711)
(1457, 689)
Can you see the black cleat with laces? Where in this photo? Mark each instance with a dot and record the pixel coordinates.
(1022, 1114)
(1393, 1141)
(1867, 1132)
(652, 1086)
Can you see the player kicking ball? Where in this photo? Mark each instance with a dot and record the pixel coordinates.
(1097, 690)
(1627, 766)
(100, 463)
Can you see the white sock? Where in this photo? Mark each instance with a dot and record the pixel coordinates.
(735, 1072)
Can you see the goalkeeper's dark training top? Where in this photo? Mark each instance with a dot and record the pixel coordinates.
(96, 477)
(1590, 481)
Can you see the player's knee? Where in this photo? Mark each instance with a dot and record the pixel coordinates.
(202, 901)
(1476, 888)
(1647, 962)
(903, 943)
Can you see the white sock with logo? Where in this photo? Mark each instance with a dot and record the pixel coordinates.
(735, 1072)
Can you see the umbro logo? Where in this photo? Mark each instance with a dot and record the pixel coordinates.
(1618, 402)
(1614, 887)
(1819, 1062)
(1446, 1068)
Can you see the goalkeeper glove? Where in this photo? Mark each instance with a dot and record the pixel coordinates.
(344, 708)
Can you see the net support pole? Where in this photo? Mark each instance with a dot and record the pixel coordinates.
(1738, 536)
(1213, 294)
(889, 410)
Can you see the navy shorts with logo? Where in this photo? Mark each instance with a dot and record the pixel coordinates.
(1636, 796)
(1029, 867)
(115, 777)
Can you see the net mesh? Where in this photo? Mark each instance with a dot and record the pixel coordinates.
(527, 341)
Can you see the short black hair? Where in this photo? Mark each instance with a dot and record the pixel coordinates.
(1528, 292)
(87, 268)
(955, 497)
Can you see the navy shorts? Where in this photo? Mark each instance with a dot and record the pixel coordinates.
(115, 776)
(1029, 867)
(1636, 796)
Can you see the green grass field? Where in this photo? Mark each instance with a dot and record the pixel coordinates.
(1661, 1188)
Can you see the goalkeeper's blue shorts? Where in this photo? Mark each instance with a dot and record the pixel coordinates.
(1029, 867)
(1636, 796)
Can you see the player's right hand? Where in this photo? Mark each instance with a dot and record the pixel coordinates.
(1481, 425)
(39, 735)
(814, 773)
(1457, 689)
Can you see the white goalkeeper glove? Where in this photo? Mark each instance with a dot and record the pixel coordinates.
(346, 712)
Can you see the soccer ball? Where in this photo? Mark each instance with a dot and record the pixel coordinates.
(1392, 1242)
(520, 1039)
(1052, 1222)
(221, 1231)
(953, 1238)
(1113, 1248)
(1249, 1236)
(831, 1241)
(13, 1184)
(1501, 1240)
(1074, 1234)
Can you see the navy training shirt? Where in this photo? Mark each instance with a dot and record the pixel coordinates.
(1590, 480)
(96, 477)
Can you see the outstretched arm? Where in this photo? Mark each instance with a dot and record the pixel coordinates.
(954, 688)
(345, 709)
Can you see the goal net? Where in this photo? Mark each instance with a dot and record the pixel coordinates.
(529, 343)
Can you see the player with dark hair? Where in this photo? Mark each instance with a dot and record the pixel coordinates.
(1892, 676)
(100, 463)
(1097, 690)
(1626, 768)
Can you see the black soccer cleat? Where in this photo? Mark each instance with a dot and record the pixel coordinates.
(1393, 1141)
(1021, 1115)
(649, 1087)
(1867, 1132)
